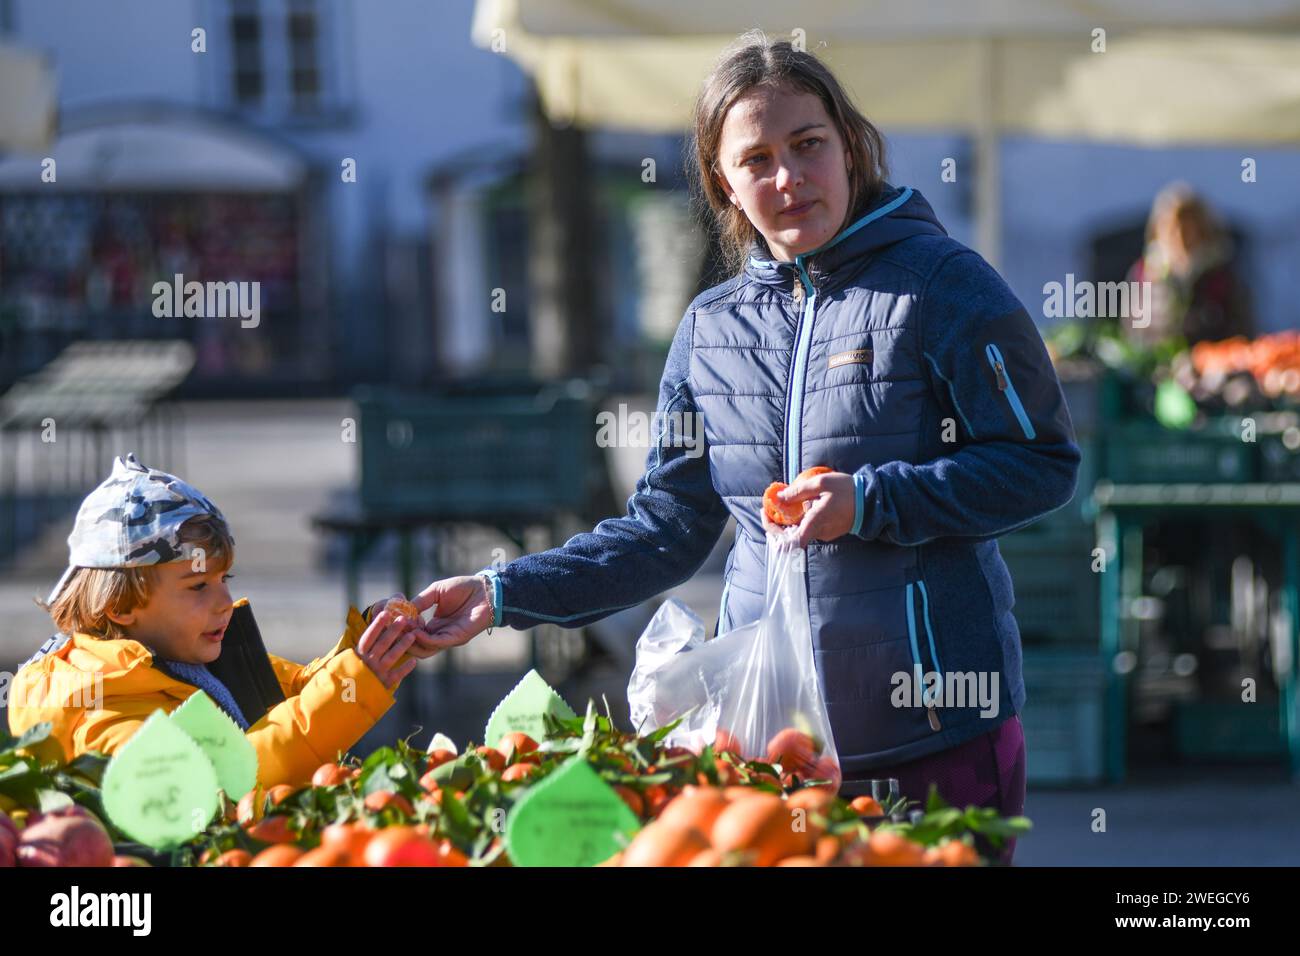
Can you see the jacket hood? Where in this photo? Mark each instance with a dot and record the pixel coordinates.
(899, 213)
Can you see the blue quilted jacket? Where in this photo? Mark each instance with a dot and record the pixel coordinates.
(892, 353)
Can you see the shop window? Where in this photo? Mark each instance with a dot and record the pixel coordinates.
(279, 60)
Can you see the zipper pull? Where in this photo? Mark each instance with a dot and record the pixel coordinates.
(1002, 376)
(797, 293)
(934, 718)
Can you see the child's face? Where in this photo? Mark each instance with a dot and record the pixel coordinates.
(186, 615)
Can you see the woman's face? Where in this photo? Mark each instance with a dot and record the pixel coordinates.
(1179, 231)
(783, 162)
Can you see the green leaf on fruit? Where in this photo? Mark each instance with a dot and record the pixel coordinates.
(37, 733)
(49, 800)
(525, 709)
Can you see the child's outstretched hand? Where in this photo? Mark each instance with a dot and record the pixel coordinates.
(384, 644)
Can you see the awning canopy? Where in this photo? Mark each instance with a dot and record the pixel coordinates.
(1173, 71)
(857, 20)
(1153, 72)
(159, 149)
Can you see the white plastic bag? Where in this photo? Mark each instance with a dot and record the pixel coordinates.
(753, 689)
(674, 627)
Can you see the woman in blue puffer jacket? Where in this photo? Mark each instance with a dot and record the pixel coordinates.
(857, 335)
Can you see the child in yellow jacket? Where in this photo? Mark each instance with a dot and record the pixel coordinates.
(145, 605)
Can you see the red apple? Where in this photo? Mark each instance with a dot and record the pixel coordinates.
(72, 810)
(59, 839)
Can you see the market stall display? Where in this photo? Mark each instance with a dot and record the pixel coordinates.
(1219, 411)
(1233, 375)
(1272, 361)
(447, 806)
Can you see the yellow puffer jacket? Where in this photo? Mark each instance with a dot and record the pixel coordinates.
(330, 703)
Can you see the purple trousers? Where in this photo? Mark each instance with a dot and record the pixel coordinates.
(985, 771)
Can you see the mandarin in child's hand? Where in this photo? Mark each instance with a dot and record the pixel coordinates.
(403, 608)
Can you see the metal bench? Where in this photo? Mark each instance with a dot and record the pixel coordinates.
(90, 390)
(512, 457)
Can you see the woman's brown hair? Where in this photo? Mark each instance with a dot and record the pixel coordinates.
(1181, 200)
(754, 60)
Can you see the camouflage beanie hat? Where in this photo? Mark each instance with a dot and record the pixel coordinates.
(132, 519)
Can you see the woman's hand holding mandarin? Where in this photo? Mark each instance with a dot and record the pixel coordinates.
(462, 611)
(831, 512)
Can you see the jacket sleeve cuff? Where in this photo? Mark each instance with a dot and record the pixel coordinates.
(859, 501)
(495, 579)
(357, 624)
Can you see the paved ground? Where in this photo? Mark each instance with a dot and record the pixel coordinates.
(1209, 816)
(270, 465)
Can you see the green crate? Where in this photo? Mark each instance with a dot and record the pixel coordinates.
(1094, 398)
(476, 454)
(1064, 717)
(1150, 454)
(1229, 729)
(1057, 593)
(1277, 462)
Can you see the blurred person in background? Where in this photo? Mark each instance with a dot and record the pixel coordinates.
(1196, 292)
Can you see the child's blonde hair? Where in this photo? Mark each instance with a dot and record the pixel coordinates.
(92, 594)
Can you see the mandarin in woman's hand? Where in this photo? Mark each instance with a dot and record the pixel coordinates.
(787, 512)
(778, 511)
(812, 472)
